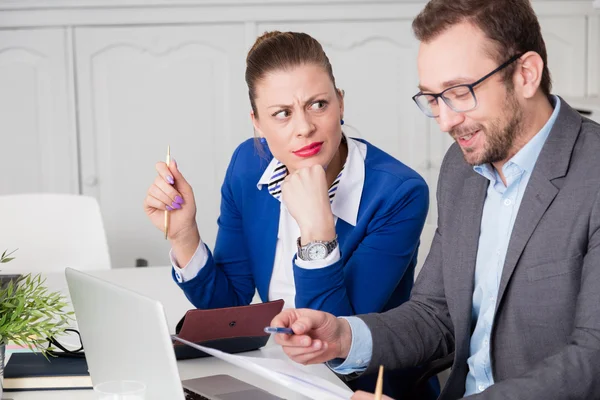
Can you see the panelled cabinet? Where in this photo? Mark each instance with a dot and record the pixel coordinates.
(38, 143)
(141, 89)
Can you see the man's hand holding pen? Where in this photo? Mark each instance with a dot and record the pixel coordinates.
(318, 336)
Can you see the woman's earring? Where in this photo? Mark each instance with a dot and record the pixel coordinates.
(262, 140)
(341, 122)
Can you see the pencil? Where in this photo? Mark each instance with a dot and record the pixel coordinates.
(379, 384)
(167, 211)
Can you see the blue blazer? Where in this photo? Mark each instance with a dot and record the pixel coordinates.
(378, 255)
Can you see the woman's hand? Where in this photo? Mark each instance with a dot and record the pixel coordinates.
(170, 191)
(305, 194)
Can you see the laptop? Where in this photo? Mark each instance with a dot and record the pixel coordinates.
(126, 337)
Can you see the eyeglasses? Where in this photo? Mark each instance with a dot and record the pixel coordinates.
(66, 352)
(460, 98)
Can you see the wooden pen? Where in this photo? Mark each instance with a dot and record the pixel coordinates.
(379, 384)
(167, 211)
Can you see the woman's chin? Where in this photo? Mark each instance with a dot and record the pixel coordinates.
(308, 162)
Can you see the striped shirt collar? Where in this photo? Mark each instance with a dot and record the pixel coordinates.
(346, 191)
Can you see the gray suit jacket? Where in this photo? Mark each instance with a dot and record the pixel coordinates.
(545, 341)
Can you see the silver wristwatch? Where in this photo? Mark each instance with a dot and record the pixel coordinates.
(317, 250)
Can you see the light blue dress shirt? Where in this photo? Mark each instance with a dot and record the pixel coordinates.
(499, 213)
(360, 352)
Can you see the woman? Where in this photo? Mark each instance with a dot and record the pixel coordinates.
(307, 215)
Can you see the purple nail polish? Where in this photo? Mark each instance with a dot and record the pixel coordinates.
(176, 205)
(169, 208)
(170, 179)
(178, 199)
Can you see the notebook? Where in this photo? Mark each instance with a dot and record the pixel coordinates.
(32, 371)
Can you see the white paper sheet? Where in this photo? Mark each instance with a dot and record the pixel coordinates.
(281, 372)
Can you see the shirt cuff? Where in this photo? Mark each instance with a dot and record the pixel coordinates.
(316, 264)
(194, 266)
(361, 349)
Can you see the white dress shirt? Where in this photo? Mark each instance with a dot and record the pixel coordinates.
(345, 205)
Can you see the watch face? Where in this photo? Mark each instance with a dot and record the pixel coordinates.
(317, 251)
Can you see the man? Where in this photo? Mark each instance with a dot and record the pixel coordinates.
(511, 285)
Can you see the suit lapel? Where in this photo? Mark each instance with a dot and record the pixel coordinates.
(538, 196)
(465, 241)
(553, 162)
(343, 230)
(265, 230)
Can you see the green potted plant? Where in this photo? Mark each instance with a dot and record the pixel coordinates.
(29, 313)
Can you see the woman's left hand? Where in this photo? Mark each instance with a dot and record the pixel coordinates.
(305, 194)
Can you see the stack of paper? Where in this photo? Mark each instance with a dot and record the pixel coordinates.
(281, 372)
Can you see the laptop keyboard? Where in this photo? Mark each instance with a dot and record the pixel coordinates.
(189, 395)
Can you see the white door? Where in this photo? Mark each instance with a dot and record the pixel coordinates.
(141, 89)
(38, 145)
(593, 48)
(566, 40)
(376, 64)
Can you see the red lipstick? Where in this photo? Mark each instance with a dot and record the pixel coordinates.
(310, 150)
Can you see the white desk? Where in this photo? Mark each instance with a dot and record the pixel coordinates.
(156, 282)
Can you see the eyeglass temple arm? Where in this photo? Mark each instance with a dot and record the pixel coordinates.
(500, 68)
(472, 85)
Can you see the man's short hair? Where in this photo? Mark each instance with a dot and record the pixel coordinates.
(512, 25)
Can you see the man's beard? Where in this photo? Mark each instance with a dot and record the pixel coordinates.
(498, 140)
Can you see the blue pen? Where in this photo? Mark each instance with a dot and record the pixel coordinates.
(273, 329)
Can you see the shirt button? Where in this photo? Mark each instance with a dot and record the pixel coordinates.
(485, 342)
(359, 362)
(481, 388)
(507, 202)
